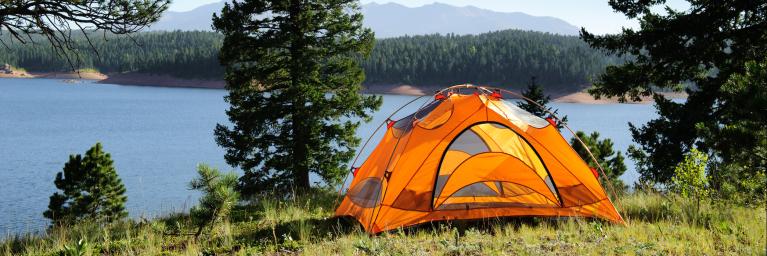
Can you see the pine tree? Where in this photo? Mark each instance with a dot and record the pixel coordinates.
(539, 105)
(610, 160)
(293, 78)
(90, 189)
(699, 49)
(745, 178)
(219, 196)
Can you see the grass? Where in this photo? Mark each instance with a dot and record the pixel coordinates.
(18, 69)
(657, 225)
(88, 70)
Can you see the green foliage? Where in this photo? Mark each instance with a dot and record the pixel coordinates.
(610, 160)
(539, 105)
(293, 83)
(749, 191)
(741, 175)
(90, 189)
(655, 207)
(657, 225)
(81, 248)
(503, 58)
(190, 54)
(55, 21)
(690, 178)
(218, 199)
(714, 48)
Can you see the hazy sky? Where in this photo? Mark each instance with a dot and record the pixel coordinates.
(595, 15)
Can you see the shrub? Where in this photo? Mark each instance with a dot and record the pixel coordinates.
(742, 189)
(81, 248)
(690, 179)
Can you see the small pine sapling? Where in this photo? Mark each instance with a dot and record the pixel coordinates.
(218, 199)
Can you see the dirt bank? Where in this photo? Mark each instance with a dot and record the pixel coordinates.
(8, 71)
(585, 98)
(142, 79)
(85, 75)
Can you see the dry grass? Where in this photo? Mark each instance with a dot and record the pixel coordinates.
(657, 225)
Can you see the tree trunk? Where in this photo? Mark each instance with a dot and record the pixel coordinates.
(299, 129)
(300, 152)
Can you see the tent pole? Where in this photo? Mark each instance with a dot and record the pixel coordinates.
(599, 166)
(388, 163)
(346, 177)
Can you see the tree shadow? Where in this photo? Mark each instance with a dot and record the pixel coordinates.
(487, 225)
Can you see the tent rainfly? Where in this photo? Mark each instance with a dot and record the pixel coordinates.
(469, 154)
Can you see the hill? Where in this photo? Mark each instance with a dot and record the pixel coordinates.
(392, 20)
(199, 18)
(504, 58)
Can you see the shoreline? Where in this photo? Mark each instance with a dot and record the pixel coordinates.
(152, 80)
(585, 98)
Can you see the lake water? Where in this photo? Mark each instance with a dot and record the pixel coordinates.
(157, 136)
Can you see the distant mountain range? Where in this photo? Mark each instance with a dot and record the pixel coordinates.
(391, 20)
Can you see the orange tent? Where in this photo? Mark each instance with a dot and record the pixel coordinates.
(470, 155)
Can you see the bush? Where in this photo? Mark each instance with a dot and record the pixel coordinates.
(81, 248)
(690, 179)
(747, 190)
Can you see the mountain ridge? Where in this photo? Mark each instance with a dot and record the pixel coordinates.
(393, 20)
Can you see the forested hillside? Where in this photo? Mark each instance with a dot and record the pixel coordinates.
(501, 58)
(180, 54)
(504, 58)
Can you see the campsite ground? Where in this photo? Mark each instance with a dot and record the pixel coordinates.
(656, 225)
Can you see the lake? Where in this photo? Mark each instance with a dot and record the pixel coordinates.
(157, 136)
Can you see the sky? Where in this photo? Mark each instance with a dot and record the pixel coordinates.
(595, 15)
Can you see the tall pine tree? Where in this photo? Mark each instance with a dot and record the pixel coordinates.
(90, 189)
(293, 78)
(700, 48)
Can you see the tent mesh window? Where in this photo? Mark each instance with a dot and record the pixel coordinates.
(475, 190)
(486, 138)
(464, 146)
(435, 114)
(367, 193)
(516, 115)
(403, 126)
(421, 113)
(501, 194)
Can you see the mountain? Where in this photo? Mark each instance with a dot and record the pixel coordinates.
(391, 20)
(199, 18)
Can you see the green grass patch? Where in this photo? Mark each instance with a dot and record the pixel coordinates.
(88, 70)
(19, 69)
(656, 225)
